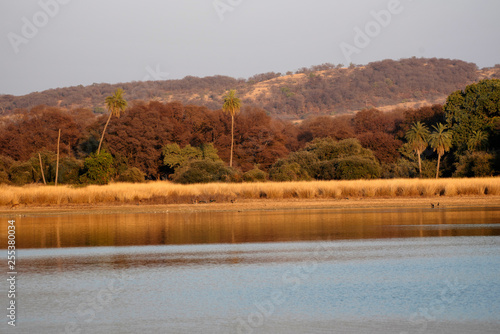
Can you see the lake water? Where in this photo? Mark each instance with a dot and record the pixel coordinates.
(296, 271)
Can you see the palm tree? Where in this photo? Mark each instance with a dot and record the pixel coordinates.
(232, 105)
(116, 104)
(440, 141)
(477, 140)
(418, 137)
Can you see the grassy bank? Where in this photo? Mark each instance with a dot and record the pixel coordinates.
(170, 193)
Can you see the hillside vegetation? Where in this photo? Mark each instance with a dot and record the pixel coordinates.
(139, 140)
(320, 90)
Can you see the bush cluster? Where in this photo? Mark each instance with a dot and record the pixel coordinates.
(328, 159)
(203, 171)
(95, 169)
(255, 175)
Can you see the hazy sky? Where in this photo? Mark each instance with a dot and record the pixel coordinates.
(57, 43)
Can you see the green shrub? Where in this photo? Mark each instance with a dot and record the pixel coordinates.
(29, 171)
(328, 149)
(22, 173)
(402, 169)
(204, 171)
(328, 159)
(325, 170)
(120, 164)
(49, 164)
(475, 164)
(283, 171)
(4, 177)
(429, 169)
(97, 169)
(356, 168)
(133, 175)
(174, 156)
(306, 159)
(5, 164)
(69, 170)
(255, 175)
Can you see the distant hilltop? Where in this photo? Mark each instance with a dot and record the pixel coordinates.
(319, 90)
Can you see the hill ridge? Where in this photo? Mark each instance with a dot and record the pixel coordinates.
(320, 90)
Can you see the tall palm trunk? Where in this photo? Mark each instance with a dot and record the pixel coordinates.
(419, 163)
(232, 106)
(232, 140)
(103, 132)
(57, 163)
(437, 171)
(41, 168)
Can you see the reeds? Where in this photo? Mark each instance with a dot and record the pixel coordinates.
(163, 192)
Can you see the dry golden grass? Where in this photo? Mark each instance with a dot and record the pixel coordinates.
(170, 193)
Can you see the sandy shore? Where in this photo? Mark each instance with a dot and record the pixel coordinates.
(264, 204)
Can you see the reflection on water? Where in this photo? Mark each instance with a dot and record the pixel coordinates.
(445, 285)
(243, 227)
(303, 271)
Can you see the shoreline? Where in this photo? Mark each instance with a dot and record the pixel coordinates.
(455, 202)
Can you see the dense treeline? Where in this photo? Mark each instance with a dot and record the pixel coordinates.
(320, 90)
(188, 143)
(136, 139)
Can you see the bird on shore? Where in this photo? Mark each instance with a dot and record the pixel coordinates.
(435, 205)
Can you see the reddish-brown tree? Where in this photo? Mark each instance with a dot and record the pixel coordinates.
(36, 130)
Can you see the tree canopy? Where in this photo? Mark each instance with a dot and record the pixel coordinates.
(232, 105)
(441, 141)
(116, 104)
(418, 137)
(477, 108)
